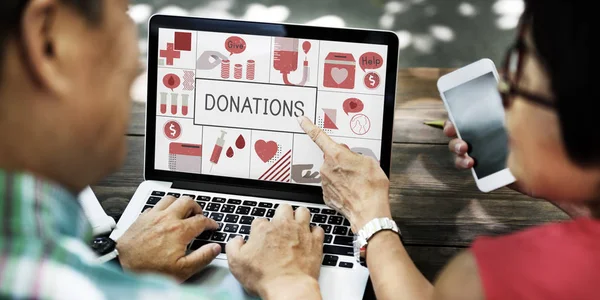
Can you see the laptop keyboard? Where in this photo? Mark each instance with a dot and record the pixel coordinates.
(234, 217)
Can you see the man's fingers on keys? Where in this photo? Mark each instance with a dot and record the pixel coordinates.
(184, 207)
(257, 222)
(320, 138)
(201, 257)
(200, 223)
(449, 129)
(302, 215)
(318, 233)
(165, 202)
(284, 211)
(233, 248)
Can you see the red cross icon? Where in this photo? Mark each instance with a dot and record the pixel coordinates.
(170, 54)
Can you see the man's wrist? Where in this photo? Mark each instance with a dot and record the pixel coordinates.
(291, 287)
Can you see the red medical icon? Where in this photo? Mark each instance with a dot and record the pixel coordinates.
(237, 71)
(185, 157)
(170, 54)
(265, 150)
(225, 68)
(229, 152)
(306, 47)
(340, 70)
(171, 81)
(184, 104)
(235, 45)
(240, 143)
(250, 69)
(172, 130)
(285, 59)
(372, 80)
(183, 41)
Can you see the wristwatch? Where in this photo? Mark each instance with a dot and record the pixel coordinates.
(106, 248)
(361, 239)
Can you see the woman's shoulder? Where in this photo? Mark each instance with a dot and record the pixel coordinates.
(540, 261)
(581, 231)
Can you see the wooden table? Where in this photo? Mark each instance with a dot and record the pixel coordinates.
(439, 209)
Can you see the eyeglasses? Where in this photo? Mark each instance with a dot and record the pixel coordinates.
(513, 67)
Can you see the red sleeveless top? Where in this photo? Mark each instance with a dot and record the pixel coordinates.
(555, 261)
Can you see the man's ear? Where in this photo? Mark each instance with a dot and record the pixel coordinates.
(39, 44)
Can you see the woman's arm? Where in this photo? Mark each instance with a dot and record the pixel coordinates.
(393, 273)
(356, 186)
(395, 276)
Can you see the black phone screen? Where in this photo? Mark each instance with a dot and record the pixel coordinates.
(476, 107)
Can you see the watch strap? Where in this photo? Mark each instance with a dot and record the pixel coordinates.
(361, 239)
(108, 257)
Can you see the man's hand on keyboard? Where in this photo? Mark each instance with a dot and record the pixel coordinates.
(282, 258)
(353, 184)
(158, 239)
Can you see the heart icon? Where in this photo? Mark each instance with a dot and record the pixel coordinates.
(265, 150)
(339, 75)
(353, 105)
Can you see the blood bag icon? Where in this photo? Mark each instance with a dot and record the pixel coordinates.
(285, 59)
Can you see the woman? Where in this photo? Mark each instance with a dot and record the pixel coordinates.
(551, 105)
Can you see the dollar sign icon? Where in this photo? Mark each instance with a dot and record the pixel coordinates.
(372, 80)
(172, 130)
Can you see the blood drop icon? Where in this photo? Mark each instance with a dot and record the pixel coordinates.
(306, 46)
(229, 152)
(240, 143)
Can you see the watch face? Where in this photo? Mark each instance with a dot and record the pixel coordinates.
(103, 245)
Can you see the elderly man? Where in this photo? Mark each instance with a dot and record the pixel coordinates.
(66, 71)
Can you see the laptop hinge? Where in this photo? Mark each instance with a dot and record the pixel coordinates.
(247, 191)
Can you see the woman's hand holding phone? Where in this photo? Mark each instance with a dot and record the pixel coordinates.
(463, 161)
(459, 147)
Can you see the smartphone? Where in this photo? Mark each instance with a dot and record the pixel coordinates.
(474, 105)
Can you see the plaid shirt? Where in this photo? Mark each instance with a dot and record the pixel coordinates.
(44, 252)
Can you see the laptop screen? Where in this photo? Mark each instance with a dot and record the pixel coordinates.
(227, 104)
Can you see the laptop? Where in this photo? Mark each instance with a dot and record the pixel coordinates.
(221, 124)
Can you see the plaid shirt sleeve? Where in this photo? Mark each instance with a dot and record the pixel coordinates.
(43, 253)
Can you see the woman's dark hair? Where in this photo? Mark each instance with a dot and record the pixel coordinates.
(11, 12)
(565, 35)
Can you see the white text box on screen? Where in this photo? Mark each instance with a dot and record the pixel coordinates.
(249, 105)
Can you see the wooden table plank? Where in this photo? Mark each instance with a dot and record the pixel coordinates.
(417, 100)
(137, 124)
(434, 205)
